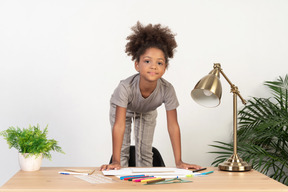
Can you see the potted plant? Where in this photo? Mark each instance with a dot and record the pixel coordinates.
(32, 145)
(263, 133)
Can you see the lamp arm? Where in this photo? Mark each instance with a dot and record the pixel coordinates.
(234, 89)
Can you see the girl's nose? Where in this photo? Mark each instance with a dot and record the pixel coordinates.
(153, 65)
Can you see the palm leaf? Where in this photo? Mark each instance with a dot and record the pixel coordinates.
(262, 133)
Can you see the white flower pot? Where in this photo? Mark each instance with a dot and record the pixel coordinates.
(31, 163)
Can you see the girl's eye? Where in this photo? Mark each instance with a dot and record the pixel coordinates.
(147, 61)
(160, 63)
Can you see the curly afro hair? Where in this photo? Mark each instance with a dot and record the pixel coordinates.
(144, 37)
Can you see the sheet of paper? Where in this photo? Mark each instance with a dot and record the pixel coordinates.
(95, 179)
(153, 170)
(157, 171)
(122, 171)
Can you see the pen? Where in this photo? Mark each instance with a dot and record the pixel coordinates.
(72, 173)
(199, 170)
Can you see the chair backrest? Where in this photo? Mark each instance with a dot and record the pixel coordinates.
(157, 158)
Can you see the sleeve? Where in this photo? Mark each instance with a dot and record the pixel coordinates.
(170, 98)
(120, 96)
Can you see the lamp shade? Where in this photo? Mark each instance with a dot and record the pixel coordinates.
(208, 91)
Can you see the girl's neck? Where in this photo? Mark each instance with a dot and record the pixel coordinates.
(147, 88)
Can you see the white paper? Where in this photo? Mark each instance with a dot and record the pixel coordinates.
(153, 170)
(122, 171)
(95, 179)
(159, 172)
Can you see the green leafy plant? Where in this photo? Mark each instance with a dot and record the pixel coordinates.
(263, 133)
(31, 140)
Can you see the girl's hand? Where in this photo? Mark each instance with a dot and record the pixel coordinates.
(182, 165)
(115, 166)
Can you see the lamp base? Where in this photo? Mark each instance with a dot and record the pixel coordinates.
(234, 163)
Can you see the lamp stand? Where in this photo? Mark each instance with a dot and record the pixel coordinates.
(234, 163)
(207, 92)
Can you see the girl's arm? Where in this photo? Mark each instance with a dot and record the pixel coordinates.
(175, 137)
(117, 138)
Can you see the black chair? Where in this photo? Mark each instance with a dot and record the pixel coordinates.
(157, 158)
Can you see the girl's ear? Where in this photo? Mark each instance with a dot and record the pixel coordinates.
(137, 66)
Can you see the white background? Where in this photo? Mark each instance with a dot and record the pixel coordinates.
(60, 61)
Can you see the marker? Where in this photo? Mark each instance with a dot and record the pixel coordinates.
(132, 178)
(72, 173)
(140, 179)
(206, 173)
(198, 174)
(122, 178)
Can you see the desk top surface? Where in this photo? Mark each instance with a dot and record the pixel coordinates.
(48, 179)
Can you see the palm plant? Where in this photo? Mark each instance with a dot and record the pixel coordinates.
(263, 133)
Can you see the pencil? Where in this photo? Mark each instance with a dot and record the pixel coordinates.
(92, 172)
(155, 181)
(146, 180)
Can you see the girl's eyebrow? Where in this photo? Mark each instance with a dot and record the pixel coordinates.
(160, 58)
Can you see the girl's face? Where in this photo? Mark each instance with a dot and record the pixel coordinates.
(151, 65)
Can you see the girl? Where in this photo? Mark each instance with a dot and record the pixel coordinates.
(139, 96)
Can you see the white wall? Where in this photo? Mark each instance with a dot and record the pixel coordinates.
(60, 60)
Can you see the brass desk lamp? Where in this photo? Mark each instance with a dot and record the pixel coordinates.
(207, 92)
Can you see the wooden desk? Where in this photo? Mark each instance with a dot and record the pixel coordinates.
(48, 179)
